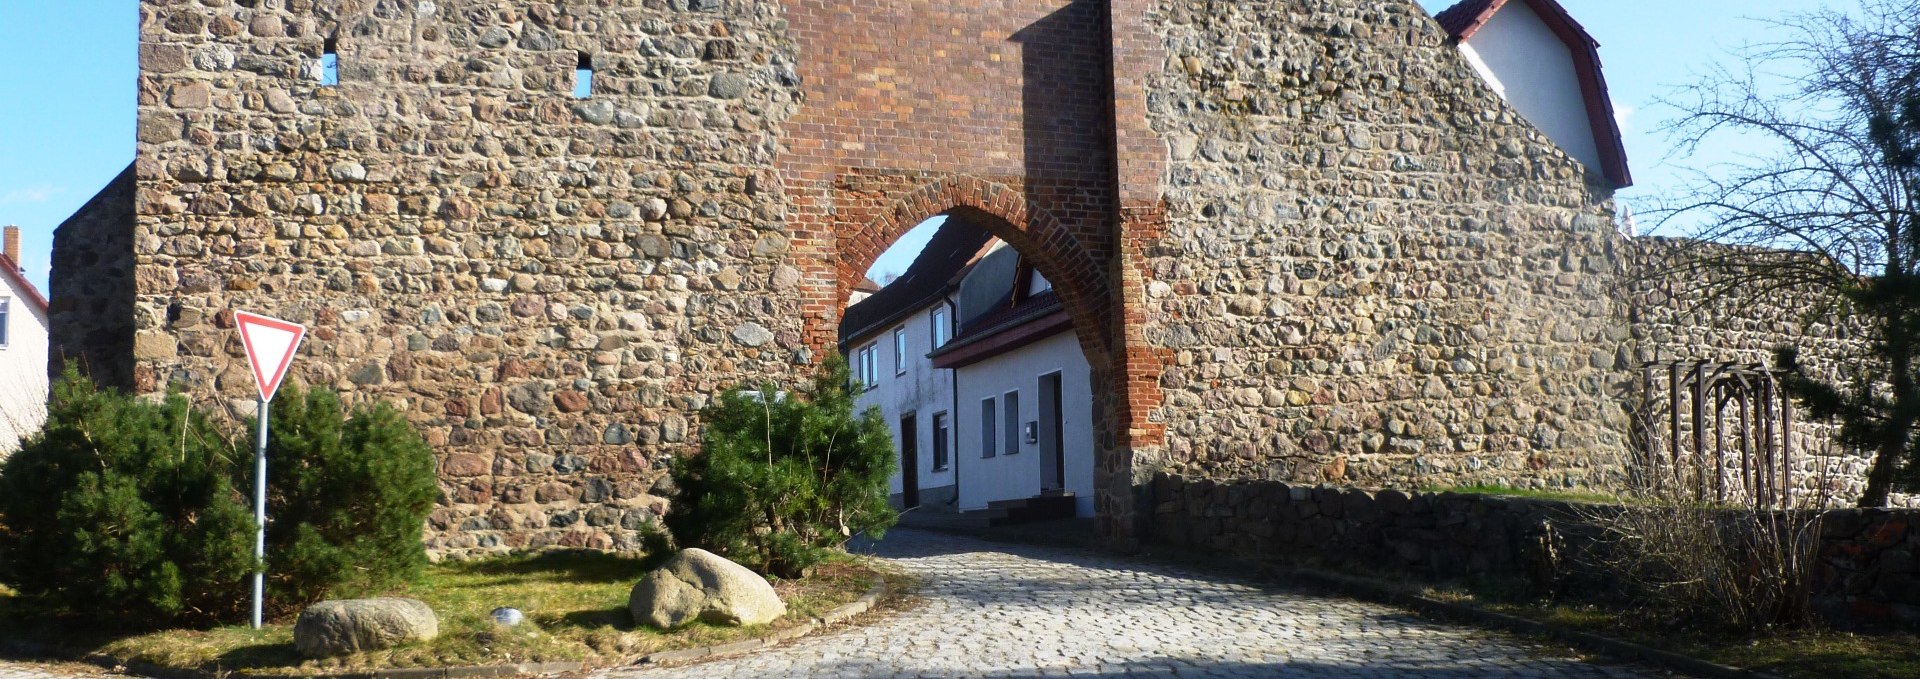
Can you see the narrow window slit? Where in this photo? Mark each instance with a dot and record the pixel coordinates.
(330, 63)
(583, 77)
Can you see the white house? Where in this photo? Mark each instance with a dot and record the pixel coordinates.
(1547, 67)
(1023, 393)
(887, 334)
(23, 350)
(992, 411)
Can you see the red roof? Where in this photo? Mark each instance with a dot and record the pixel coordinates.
(1468, 16)
(12, 271)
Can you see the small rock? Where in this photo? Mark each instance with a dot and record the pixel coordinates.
(727, 86)
(339, 627)
(494, 36)
(508, 617)
(752, 334)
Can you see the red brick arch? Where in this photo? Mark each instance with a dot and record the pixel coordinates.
(1005, 213)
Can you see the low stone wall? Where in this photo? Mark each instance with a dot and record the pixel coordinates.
(1868, 572)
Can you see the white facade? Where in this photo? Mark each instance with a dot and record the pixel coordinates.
(907, 385)
(1531, 67)
(23, 364)
(1015, 469)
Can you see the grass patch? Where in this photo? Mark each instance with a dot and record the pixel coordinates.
(1562, 495)
(1792, 653)
(575, 604)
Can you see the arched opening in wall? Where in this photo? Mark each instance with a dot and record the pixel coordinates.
(978, 364)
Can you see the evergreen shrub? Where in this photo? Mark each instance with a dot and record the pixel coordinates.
(140, 512)
(345, 499)
(125, 508)
(782, 479)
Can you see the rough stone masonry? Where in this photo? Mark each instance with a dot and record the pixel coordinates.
(1298, 238)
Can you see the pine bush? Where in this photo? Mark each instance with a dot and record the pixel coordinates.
(780, 481)
(346, 499)
(140, 513)
(125, 509)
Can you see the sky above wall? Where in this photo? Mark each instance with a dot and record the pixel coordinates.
(67, 86)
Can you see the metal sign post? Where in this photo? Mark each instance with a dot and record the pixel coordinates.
(270, 343)
(260, 512)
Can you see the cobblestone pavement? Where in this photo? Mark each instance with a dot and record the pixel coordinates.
(995, 610)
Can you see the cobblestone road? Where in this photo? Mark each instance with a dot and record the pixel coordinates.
(994, 610)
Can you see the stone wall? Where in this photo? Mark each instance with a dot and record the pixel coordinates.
(1683, 305)
(1373, 270)
(550, 287)
(1299, 240)
(1866, 575)
(90, 289)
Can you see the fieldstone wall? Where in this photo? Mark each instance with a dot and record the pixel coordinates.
(90, 289)
(1373, 270)
(1300, 240)
(1867, 573)
(551, 287)
(1681, 307)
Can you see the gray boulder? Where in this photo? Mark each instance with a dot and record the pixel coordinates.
(698, 584)
(349, 625)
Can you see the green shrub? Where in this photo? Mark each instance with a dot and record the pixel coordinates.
(779, 481)
(346, 499)
(140, 512)
(124, 508)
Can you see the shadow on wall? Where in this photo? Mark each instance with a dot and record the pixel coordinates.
(91, 288)
(1067, 128)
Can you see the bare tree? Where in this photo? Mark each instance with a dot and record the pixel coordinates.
(1828, 202)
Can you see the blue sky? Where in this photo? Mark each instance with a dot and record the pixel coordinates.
(67, 85)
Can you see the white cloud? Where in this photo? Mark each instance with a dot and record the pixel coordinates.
(31, 194)
(1621, 114)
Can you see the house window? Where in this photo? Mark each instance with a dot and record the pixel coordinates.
(942, 330)
(330, 63)
(1010, 404)
(583, 77)
(940, 442)
(5, 307)
(866, 364)
(899, 351)
(988, 416)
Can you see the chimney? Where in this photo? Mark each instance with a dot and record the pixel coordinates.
(12, 247)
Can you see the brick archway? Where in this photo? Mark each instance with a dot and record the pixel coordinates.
(1008, 215)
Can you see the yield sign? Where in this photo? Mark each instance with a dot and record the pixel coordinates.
(270, 345)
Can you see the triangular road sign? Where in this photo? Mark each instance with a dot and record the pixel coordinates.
(270, 344)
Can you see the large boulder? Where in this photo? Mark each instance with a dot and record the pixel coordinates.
(345, 626)
(699, 584)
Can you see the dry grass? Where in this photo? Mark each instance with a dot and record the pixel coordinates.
(1807, 653)
(1586, 496)
(575, 605)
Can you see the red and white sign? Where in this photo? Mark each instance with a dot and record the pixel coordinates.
(270, 343)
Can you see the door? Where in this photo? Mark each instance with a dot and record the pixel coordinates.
(1053, 453)
(909, 461)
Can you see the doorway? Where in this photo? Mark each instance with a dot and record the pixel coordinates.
(909, 461)
(1053, 449)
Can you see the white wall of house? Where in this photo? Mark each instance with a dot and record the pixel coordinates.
(23, 368)
(1015, 474)
(1522, 59)
(920, 389)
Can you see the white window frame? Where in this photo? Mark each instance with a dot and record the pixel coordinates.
(900, 350)
(942, 330)
(989, 418)
(6, 321)
(1010, 421)
(868, 363)
(942, 446)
